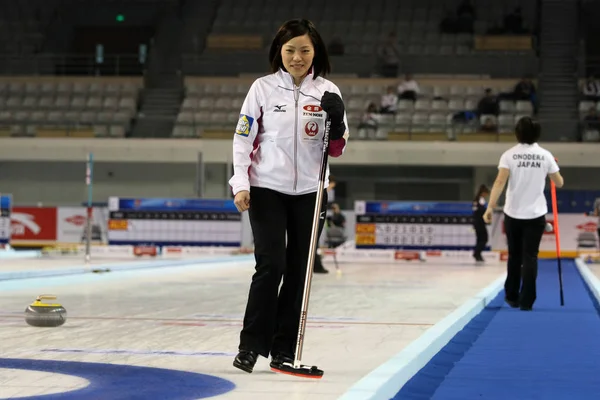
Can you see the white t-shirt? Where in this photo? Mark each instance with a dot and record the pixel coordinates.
(390, 101)
(411, 85)
(529, 165)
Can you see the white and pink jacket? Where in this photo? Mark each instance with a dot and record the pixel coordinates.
(278, 140)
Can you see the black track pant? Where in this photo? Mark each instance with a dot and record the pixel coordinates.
(481, 234)
(524, 237)
(272, 316)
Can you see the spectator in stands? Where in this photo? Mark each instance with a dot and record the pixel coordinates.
(369, 122)
(448, 23)
(592, 120)
(408, 89)
(591, 89)
(465, 13)
(336, 46)
(513, 22)
(389, 101)
(490, 124)
(388, 55)
(465, 9)
(525, 90)
(590, 126)
(488, 105)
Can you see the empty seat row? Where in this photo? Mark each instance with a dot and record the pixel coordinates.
(66, 102)
(358, 104)
(66, 87)
(239, 13)
(585, 106)
(101, 130)
(221, 120)
(438, 119)
(199, 90)
(86, 117)
(381, 133)
(412, 49)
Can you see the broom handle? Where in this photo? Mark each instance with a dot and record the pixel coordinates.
(555, 216)
(313, 246)
(557, 238)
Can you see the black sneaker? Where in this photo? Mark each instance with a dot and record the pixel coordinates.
(245, 360)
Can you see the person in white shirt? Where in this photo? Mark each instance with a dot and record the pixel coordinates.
(389, 102)
(277, 150)
(525, 166)
(408, 89)
(591, 89)
(481, 233)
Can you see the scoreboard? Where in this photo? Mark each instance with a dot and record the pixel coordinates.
(5, 210)
(173, 222)
(414, 225)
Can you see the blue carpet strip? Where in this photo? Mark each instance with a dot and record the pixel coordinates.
(550, 353)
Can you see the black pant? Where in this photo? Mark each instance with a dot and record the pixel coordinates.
(481, 234)
(272, 319)
(524, 237)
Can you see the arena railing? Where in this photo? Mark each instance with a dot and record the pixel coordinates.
(496, 64)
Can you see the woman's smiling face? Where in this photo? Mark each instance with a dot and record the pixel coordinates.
(297, 56)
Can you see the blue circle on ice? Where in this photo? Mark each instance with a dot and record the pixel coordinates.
(120, 382)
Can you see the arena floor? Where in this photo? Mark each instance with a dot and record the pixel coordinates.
(181, 324)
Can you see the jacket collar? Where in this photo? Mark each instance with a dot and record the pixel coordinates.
(288, 80)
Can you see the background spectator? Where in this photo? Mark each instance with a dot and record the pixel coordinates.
(389, 56)
(591, 88)
(488, 104)
(389, 101)
(408, 89)
(369, 123)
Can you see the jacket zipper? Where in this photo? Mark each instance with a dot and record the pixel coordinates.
(296, 96)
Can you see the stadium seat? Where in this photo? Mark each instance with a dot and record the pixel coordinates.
(362, 27)
(51, 105)
(213, 105)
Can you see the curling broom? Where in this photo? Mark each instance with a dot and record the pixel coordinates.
(297, 369)
(557, 237)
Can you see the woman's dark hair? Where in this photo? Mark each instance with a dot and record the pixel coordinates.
(482, 189)
(294, 28)
(528, 130)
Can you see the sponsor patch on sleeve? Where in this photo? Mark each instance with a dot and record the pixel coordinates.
(244, 125)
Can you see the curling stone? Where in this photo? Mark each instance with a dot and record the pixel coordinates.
(47, 315)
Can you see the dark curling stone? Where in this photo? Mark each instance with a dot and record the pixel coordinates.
(45, 314)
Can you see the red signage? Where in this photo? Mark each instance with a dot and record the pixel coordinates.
(33, 224)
